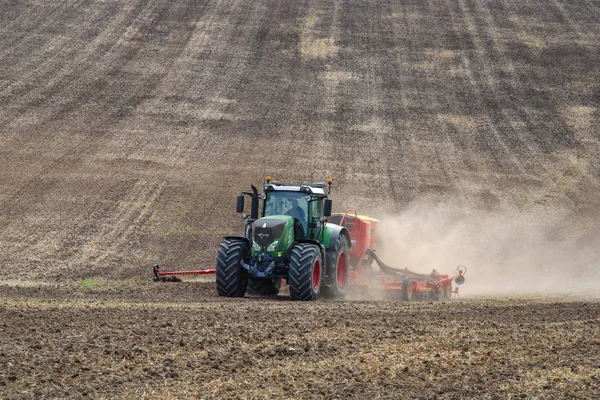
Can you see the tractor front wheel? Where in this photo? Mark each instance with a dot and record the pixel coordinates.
(305, 272)
(232, 279)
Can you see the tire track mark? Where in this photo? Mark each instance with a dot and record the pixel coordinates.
(76, 155)
(219, 54)
(408, 174)
(70, 88)
(462, 120)
(364, 128)
(541, 153)
(508, 106)
(319, 32)
(404, 181)
(32, 60)
(451, 160)
(112, 241)
(483, 83)
(29, 18)
(99, 125)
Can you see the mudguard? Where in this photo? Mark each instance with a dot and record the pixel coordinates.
(330, 237)
(244, 239)
(331, 233)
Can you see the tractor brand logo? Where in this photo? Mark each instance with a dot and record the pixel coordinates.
(263, 235)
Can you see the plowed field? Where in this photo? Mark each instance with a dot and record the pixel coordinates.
(128, 127)
(180, 340)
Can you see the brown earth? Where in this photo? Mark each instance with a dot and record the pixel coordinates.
(147, 340)
(128, 127)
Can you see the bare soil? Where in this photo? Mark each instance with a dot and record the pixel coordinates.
(178, 340)
(127, 128)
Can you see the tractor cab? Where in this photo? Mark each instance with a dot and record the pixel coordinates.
(305, 204)
(291, 242)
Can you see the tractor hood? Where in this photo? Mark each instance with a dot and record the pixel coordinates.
(267, 230)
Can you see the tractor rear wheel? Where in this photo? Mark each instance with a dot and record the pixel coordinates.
(338, 283)
(232, 279)
(305, 272)
(264, 286)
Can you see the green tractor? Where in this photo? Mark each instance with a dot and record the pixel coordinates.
(292, 241)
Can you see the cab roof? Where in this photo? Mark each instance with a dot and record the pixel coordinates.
(317, 189)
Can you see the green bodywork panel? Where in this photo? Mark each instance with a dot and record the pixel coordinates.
(331, 231)
(285, 240)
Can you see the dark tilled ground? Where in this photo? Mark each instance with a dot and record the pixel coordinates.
(127, 128)
(180, 340)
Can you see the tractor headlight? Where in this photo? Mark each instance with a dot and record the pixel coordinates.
(273, 246)
(255, 246)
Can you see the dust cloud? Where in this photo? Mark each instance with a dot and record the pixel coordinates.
(505, 251)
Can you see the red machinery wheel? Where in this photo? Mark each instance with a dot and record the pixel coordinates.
(342, 270)
(407, 290)
(316, 274)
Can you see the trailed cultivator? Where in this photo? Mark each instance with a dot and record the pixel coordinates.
(396, 283)
(166, 276)
(297, 241)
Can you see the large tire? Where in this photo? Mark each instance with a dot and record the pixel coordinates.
(407, 294)
(305, 272)
(264, 286)
(232, 279)
(337, 286)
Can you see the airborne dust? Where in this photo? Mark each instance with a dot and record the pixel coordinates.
(505, 251)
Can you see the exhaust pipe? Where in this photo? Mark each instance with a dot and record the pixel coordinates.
(254, 207)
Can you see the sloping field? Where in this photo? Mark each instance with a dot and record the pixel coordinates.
(127, 128)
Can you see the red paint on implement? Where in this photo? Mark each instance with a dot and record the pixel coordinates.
(158, 273)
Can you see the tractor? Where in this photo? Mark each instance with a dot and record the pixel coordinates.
(299, 241)
(291, 241)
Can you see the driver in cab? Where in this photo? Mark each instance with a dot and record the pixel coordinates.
(298, 213)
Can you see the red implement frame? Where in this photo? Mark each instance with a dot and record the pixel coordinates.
(162, 276)
(361, 229)
(407, 284)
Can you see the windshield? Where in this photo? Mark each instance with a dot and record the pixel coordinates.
(287, 203)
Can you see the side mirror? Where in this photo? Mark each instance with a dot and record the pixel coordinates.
(240, 204)
(327, 208)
